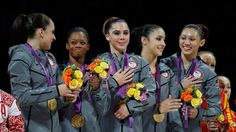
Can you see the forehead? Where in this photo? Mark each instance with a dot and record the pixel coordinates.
(224, 80)
(119, 26)
(78, 35)
(51, 25)
(189, 32)
(158, 31)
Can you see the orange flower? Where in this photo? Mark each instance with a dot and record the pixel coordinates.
(69, 71)
(188, 98)
(92, 66)
(67, 80)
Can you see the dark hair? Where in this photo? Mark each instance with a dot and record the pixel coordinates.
(201, 29)
(77, 29)
(108, 23)
(26, 25)
(142, 31)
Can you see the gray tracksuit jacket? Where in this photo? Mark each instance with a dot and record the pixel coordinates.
(30, 88)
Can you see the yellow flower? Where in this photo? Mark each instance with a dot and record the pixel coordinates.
(220, 118)
(137, 95)
(130, 92)
(139, 86)
(103, 74)
(73, 84)
(78, 74)
(80, 82)
(98, 69)
(195, 102)
(104, 65)
(198, 93)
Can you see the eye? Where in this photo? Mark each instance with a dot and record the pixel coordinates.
(126, 32)
(83, 43)
(116, 32)
(74, 42)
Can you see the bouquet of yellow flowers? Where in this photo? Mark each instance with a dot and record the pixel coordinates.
(191, 96)
(99, 67)
(73, 77)
(136, 91)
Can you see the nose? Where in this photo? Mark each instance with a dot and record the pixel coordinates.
(54, 37)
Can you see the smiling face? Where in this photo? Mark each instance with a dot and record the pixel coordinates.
(155, 42)
(190, 41)
(118, 37)
(77, 44)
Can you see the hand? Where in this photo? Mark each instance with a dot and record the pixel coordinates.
(123, 77)
(189, 81)
(64, 90)
(122, 112)
(71, 99)
(192, 112)
(212, 125)
(169, 105)
(94, 82)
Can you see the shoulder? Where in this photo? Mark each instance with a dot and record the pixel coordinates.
(19, 53)
(170, 60)
(208, 73)
(6, 98)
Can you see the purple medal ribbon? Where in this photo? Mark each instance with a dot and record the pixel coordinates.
(158, 79)
(191, 71)
(122, 89)
(78, 102)
(46, 72)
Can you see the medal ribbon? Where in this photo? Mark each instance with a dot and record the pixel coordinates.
(191, 71)
(78, 102)
(121, 90)
(46, 72)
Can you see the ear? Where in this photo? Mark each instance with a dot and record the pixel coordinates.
(88, 46)
(41, 32)
(107, 37)
(67, 46)
(144, 40)
(202, 43)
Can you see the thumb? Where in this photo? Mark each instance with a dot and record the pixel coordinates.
(169, 96)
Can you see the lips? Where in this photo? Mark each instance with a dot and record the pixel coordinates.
(185, 48)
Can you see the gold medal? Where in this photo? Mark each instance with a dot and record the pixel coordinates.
(158, 117)
(77, 120)
(52, 104)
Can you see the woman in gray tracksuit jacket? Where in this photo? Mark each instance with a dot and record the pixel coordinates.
(93, 101)
(191, 70)
(151, 39)
(124, 69)
(34, 76)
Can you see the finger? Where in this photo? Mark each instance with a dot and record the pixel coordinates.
(129, 76)
(131, 71)
(170, 96)
(128, 80)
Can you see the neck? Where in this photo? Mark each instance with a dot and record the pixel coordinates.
(33, 43)
(152, 59)
(187, 59)
(77, 62)
(118, 53)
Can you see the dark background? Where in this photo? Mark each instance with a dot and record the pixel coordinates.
(220, 18)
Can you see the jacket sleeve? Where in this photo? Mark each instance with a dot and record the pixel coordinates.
(212, 94)
(145, 77)
(19, 72)
(174, 118)
(102, 97)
